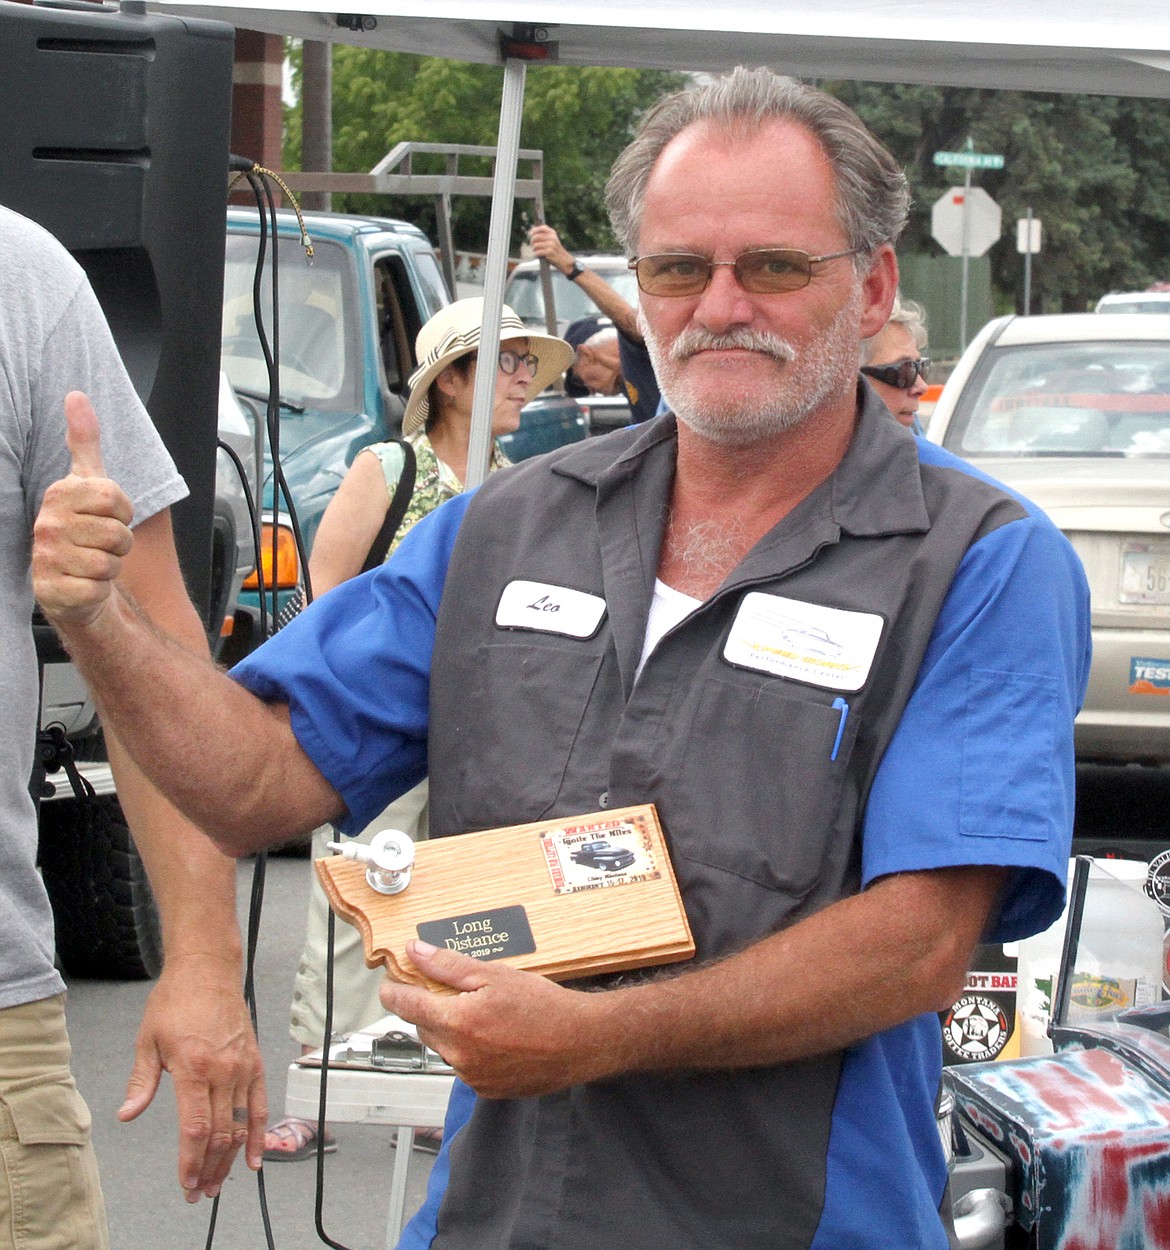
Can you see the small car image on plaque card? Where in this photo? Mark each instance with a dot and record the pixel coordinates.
(603, 855)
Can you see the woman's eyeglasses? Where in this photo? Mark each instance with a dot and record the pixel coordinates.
(902, 373)
(762, 270)
(510, 361)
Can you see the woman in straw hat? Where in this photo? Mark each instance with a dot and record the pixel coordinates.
(437, 425)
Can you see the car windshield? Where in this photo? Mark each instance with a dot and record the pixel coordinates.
(1139, 304)
(526, 298)
(317, 341)
(1067, 399)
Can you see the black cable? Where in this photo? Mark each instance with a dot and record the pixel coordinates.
(257, 275)
(318, 1206)
(255, 903)
(211, 1223)
(262, 189)
(249, 498)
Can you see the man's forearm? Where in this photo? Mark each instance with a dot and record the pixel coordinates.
(858, 967)
(818, 987)
(621, 313)
(548, 246)
(222, 757)
(193, 881)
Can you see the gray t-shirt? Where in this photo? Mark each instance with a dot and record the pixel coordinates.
(53, 339)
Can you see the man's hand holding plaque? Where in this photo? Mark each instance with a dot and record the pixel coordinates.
(564, 898)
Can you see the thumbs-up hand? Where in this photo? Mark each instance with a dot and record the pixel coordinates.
(83, 435)
(83, 529)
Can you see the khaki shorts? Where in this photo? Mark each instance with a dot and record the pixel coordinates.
(50, 1196)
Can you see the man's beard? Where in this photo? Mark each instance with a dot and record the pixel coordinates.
(740, 415)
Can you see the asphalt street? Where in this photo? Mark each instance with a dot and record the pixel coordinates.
(145, 1206)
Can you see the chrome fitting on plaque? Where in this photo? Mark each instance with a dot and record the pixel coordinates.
(388, 859)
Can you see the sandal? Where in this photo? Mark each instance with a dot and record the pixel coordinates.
(291, 1139)
(427, 1140)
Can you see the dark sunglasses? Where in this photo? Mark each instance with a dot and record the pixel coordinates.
(902, 373)
(510, 361)
(762, 270)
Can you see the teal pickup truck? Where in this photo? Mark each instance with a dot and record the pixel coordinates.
(348, 319)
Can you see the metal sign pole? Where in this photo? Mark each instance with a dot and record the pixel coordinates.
(496, 267)
(1028, 268)
(966, 259)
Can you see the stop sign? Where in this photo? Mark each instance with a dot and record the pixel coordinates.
(984, 220)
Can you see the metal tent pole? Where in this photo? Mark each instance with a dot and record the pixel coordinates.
(499, 233)
(964, 285)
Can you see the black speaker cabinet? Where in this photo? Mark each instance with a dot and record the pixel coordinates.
(115, 138)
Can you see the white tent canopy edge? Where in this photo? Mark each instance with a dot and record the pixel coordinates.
(1045, 45)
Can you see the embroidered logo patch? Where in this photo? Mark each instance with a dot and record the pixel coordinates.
(807, 642)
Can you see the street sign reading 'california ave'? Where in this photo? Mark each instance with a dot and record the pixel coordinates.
(969, 160)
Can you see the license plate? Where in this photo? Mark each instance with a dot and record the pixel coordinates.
(1145, 574)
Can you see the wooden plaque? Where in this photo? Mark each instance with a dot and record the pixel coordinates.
(563, 898)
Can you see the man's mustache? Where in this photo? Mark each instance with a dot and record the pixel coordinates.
(695, 339)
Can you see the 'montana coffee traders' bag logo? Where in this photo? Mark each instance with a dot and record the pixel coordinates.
(975, 1028)
(1158, 882)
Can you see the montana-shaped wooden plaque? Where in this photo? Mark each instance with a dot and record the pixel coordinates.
(565, 898)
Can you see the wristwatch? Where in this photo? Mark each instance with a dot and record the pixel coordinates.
(575, 272)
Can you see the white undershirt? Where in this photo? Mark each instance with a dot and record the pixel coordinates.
(668, 607)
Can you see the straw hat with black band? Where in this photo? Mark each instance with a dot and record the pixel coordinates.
(453, 332)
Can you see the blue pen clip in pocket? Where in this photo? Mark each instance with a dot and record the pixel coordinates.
(839, 705)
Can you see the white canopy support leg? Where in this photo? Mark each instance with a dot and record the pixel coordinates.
(499, 234)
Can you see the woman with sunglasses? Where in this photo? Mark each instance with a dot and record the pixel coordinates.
(437, 425)
(893, 362)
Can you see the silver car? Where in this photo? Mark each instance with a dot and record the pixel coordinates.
(1073, 412)
(525, 295)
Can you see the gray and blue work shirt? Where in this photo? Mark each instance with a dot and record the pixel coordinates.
(887, 683)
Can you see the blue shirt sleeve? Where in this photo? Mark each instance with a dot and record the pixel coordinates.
(981, 767)
(354, 669)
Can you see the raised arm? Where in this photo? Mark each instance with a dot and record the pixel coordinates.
(227, 760)
(548, 246)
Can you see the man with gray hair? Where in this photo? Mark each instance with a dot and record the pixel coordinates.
(776, 612)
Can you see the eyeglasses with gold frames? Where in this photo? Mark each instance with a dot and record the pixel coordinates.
(760, 270)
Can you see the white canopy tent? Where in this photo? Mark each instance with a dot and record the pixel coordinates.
(1029, 45)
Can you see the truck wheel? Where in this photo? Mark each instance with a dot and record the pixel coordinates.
(103, 909)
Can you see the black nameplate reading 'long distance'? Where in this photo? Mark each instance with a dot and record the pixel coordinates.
(482, 934)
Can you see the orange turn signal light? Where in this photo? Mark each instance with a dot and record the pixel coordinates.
(287, 570)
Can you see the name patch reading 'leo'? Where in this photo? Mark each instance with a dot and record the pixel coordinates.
(827, 647)
(550, 609)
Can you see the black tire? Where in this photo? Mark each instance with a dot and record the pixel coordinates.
(104, 911)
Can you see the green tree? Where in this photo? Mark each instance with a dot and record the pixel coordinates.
(1092, 168)
(580, 118)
